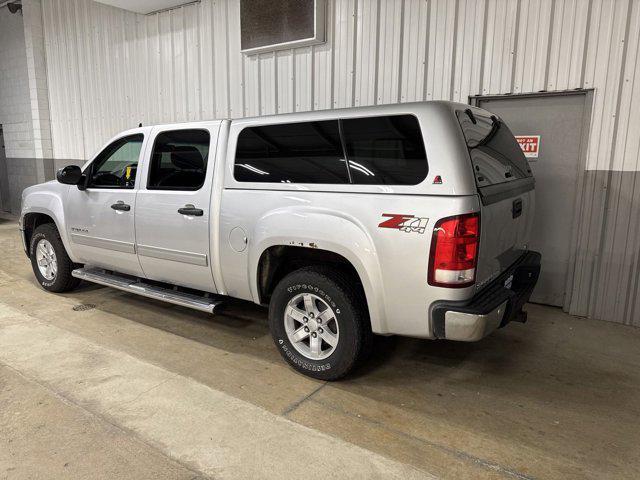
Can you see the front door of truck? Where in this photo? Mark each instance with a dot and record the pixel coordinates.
(173, 206)
(99, 219)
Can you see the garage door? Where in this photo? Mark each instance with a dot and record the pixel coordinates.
(552, 130)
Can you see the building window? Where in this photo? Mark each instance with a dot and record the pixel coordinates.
(268, 25)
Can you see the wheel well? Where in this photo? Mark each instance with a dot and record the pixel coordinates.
(278, 261)
(33, 221)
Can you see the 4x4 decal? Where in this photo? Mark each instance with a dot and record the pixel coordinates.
(404, 223)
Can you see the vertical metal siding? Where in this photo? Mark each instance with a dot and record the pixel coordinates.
(109, 69)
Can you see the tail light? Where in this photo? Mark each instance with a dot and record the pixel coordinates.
(454, 251)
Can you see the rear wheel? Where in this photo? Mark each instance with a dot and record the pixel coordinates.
(49, 260)
(319, 322)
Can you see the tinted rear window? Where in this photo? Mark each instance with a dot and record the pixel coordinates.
(384, 150)
(307, 152)
(495, 154)
(179, 160)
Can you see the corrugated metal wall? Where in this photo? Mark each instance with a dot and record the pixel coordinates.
(109, 69)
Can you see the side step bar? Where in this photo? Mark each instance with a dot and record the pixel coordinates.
(137, 286)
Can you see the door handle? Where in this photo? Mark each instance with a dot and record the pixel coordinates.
(121, 206)
(191, 211)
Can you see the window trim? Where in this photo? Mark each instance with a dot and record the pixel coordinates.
(90, 168)
(343, 144)
(178, 189)
(319, 34)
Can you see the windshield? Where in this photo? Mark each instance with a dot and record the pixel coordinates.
(495, 154)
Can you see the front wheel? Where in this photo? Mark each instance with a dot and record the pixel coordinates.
(319, 322)
(49, 260)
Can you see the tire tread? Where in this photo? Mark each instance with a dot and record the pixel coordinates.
(64, 281)
(343, 281)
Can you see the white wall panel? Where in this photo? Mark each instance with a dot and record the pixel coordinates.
(627, 140)
(469, 48)
(267, 82)
(414, 42)
(500, 46)
(235, 70)
(303, 79)
(367, 41)
(389, 51)
(442, 30)
(284, 83)
(252, 85)
(322, 88)
(567, 45)
(534, 26)
(220, 57)
(343, 53)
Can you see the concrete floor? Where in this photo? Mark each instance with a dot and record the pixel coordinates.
(101, 384)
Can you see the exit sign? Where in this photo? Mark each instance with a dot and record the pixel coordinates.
(530, 145)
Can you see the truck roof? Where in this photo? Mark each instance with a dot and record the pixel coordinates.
(431, 106)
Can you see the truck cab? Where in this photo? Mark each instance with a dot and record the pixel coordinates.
(408, 219)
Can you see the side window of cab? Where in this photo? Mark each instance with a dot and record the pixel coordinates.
(116, 166)
(179, 160)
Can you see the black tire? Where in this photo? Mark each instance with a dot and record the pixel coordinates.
(62, 281)
(339, 291)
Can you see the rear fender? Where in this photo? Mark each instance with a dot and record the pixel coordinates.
(313, 227)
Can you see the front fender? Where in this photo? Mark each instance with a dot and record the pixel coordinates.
(314, 227)
(48, 199)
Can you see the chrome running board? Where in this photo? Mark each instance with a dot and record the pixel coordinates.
(137, 286)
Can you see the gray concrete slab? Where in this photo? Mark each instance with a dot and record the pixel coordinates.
(44, 437)
(558, 397)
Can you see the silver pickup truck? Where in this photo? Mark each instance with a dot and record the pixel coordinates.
(408, 219)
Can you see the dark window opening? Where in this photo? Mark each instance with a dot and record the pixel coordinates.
(495, 154)
(385, 150)
(116, 166)
(179, 160)
(380, 151)
(307, 152)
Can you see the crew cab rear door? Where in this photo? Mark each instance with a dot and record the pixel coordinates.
(506, 188)
(173, 205)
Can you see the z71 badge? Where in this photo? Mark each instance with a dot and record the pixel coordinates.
(404, 223)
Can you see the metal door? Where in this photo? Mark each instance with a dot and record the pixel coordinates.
(100, 219)
(173, 223)
(561, 122)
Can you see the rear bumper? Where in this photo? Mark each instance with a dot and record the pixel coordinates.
(493, 307)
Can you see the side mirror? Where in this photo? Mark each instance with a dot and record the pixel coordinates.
(69, 175)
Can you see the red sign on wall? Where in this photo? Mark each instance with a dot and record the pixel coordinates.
(530, 145)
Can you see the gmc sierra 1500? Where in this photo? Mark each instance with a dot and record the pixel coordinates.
(408, 219)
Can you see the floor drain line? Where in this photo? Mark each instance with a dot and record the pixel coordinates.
(83, 307)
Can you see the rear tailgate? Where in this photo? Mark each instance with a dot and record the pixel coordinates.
(506, 188)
